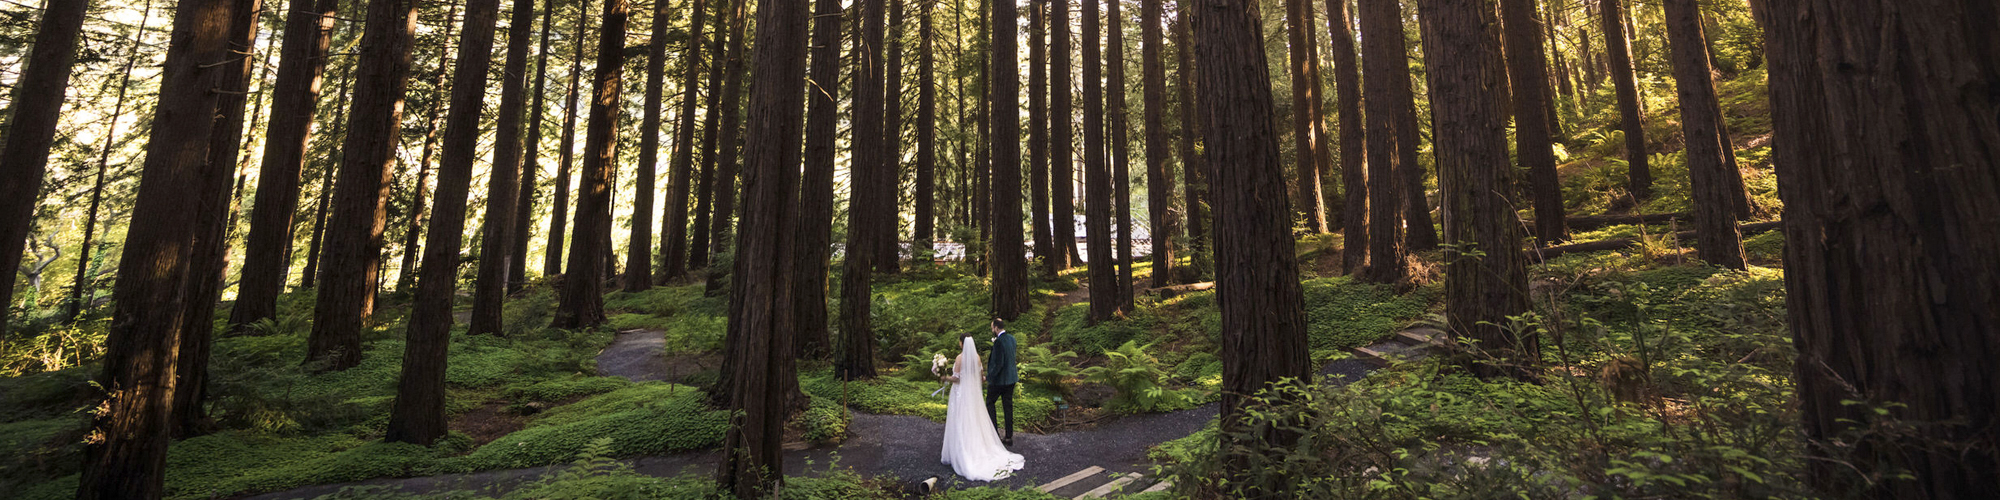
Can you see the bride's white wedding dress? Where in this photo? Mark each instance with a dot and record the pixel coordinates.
(971, 444)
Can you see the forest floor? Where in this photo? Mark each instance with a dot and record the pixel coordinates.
(877, 446)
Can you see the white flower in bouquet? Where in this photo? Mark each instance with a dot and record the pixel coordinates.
(938, 366)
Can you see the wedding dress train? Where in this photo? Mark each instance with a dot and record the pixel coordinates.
(971, 444)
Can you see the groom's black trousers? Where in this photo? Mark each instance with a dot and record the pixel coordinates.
(1005, 394)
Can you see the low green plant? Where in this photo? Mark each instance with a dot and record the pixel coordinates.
(1137, 376)
(1048, 371)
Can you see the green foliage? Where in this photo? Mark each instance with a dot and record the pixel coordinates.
(1072, 329)
(824, 420)
(34, 349)
(691, 321)
(647, 418)
(994, 493)
(564, 388)
(1047, 371)
(1342, 313)
(890, 395)
(1137, 376)
(1768, 245)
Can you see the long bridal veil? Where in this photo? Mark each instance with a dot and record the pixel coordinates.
(971, 444)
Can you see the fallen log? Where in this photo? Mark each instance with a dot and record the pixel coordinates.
(1537, 255)
(1172, 291)
(1589, 222)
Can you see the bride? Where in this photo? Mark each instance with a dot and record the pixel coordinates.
(971, 444)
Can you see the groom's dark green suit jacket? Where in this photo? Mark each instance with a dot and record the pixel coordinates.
(1003, 371)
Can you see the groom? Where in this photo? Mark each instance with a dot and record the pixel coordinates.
(1001, 376)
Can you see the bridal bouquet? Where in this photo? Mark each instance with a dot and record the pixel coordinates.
(939, 364)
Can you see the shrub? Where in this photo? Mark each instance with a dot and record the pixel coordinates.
(647, 418)
(1048, 371)
(1137, 376)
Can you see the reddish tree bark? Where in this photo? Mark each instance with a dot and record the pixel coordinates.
(639, 252)
(924, 210)
(1484, 289)
(1308, 133)
(1353, 139)
(674, 224)
(1039, 116)
(1102, 262)
(490, 288)
(128, 457)
(418, 415)
(1639, 177)
(552, 255)
(1528, 73)
(1263, 309)
(1887, 135)
(721, 223)
(313, 246)
(524, 214)
(294, 98)
(1159, 180)
(815, 208)
(856, 357)
(1121, 158)
(888, 252)
(699, 232)
(1383, 69)
(582, 302)
(1716, 238)
(1062, 148)
(1010, 265)
(353, 256)
(1194, 168)
(31, 132)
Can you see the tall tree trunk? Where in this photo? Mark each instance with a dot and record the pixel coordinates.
(128, 457)
(925, 230)
(1194, 167)
(856, 359)
(815, 208)
(1382, 60)
(327, 168)
(1010, 264)
(209, 261)
(1353, 139)
(552, 256)
(1419, 234)
(368, 153)
(406, 278)
(1887, 135)
(728, 151)
(1097, 173)
(489, 290)
(1717, 240)
(639, 253)
(674, 230)
(1159, 180)
(1639, 177)
(1121, 147)
(301, 70)
(31, 131)
(1482, 290)
(1062, 146)
(888, 252)
(418, 415)
(582, 302)
(1308, 135)
(1039, 116)
(1263, 309)
(698, 252)
(524, 214)
(1529, 77)
(81, 293)
(766, 378)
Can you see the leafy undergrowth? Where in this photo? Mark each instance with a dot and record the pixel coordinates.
(1656, 382)
(1594, 168)
(595, 475)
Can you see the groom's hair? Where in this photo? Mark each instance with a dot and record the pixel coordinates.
(998, 323)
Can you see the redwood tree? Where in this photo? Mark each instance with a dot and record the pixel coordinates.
(888, 256)
(1159, 180)
(926, 183)
(1527, 71)
(1121, 163)
(31, 131)
(1717, 240)
(582, 302)
(127, 459)
(815, 208)
(552, 263)
(1353, 139)
(1308, 135)
(1193, 168)
(1887, 135)
(1103, 266)
(490, 289)
(1639, 177)
(354, 228)
(856, 357)
(674, 224)
(1062, 150)
(639, 252)
(524, 209)
(729, 144)
(1257, 277)
(1039, 115)
(1485, 276)
(418, 415)
(1383, 69)
(765, 379)
(1010, 265)
(267, 252)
